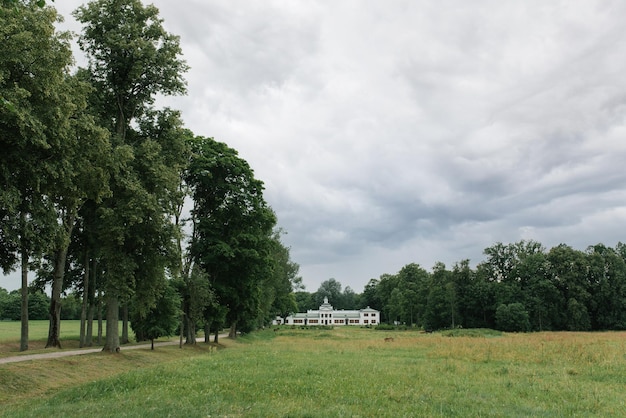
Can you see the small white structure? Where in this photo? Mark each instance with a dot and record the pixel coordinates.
(327, 315)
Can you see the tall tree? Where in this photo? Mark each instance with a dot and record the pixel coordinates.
(232, 240)
(33, 116)
(277, 290)
(81, 168)
(132, 59)
(330, 289)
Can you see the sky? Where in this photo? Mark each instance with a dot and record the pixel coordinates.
(412, 131)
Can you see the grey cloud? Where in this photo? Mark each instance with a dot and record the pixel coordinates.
(414, 131)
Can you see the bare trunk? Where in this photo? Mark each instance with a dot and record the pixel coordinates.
(60, 256)
(191, 331)
(55, 302)
(151, 343)
(24, 307)
(207, 332)
(99, 308)
(89, 334)
(92, 303)
(232, 333)
(112, 343)
(125, 324)
(182, 330)
(216, 337)
(83, 312)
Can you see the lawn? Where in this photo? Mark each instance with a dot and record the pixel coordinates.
(38, 335)
(347, 372)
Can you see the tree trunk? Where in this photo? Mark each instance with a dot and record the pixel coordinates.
(191, 331)
(24, 307)
(182, 330)
(207, 332)
(112, 343)
(232, 333)
(125, 324)
(55, 302)
(92, 303)
(83, 312)
(60, 256)
(216, 337)
(89, 333)
(99, 308)
(151, 343)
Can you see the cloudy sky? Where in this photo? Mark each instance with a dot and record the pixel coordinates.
(391, 132)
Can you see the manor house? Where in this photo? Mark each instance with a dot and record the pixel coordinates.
(327, 315)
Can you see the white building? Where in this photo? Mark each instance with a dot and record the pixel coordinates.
(327, 315)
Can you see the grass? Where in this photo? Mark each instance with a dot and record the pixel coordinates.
(338, 373)
(38, 335)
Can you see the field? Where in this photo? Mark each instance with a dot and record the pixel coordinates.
(335, 373)
(38, 334)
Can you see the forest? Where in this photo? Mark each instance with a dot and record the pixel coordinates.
(123, 214)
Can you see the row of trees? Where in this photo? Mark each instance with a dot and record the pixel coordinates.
(518, 287)
(94, 179)
(38, 305)
(11, 302)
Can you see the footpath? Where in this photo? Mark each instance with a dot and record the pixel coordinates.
(68, 353)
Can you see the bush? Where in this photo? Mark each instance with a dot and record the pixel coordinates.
(471, 332)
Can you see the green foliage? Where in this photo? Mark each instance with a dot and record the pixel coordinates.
(512, 318)
(159, 321)
(10, 305)
(232, 237)
(132, 59)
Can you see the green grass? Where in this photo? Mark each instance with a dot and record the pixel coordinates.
(354, 372)
(38, 335)
(37, 330)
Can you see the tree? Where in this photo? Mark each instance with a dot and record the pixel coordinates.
(607, 276)
(33, 118)
(330, 289)
(441, 308)
(278, 297)
(233, 227)
(304, 301)
(81, 173)
(159, 321)
(512, 318)
(370, 296)
(132, 59)
(414, 283)
(568, 273)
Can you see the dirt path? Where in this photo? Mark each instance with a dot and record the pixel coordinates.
(58, 354)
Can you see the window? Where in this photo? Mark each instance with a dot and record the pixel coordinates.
(313, 321)
(365, 314)
(373, 321)
(365, 321)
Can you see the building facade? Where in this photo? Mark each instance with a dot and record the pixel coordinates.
(327, 315)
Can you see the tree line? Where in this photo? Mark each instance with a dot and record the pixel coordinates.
(518, 287)
(95, 178)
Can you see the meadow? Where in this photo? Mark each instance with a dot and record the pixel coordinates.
(339, 372)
